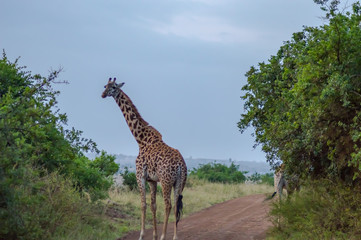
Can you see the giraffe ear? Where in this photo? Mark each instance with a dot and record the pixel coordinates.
(119, 85)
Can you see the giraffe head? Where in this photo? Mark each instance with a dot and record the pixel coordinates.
(112, 88)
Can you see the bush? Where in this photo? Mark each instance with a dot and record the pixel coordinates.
(304, 102)
(266, 178)
(105, 164)
(322, 210)
(42, 207)
(33, 144)
(129, 179)
(216, 172)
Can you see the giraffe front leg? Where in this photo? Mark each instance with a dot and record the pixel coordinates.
(167, 207)
(141, 185)
(153, 206)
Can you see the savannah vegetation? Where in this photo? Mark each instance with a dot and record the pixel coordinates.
(199, 193)
(46, 181)
(49, 189)
(304, 106)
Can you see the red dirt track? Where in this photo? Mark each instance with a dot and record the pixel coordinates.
(238, 219)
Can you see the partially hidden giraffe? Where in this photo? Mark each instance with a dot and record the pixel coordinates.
(280, 182)
(156, 162)
(290, 184)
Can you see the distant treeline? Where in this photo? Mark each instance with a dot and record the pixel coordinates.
(211, 172)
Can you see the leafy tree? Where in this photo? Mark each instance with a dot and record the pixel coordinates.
(255, 177)
(34, 142)
(129, 179)
(216, 172)
(105, 164)
(304, 103)
(266, 178)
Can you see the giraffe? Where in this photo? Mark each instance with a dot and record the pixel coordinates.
(156, 162)
(283, 181)
(280, 182)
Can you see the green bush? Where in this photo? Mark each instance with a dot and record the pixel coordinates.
(322, 210)
(216, 172)
(129, 179)
(266, 178)
(304, 102)
(42, 207)
(33, 144)
(105, 164)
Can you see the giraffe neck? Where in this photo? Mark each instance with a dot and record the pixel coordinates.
(137, 125)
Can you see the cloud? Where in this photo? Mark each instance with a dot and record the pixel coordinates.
(209, 29)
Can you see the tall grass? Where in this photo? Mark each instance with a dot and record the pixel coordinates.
(321, 210)
(197, 195)
(50, 207)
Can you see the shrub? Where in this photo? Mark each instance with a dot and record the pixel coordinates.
(322, 210)
(105, 164)
(42, 207)
(129, 179)
(216, 172)
(33, 144)
(267, 179)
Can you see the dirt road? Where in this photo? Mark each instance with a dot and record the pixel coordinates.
(241, 218)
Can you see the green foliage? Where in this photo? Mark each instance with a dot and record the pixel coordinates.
(324, 210)
(304, 103)
(266, 178)
(49, 207)
(255, 177)
(105, 164)
(41, 207)
(216, 172)
(129, 179)
(35, 143)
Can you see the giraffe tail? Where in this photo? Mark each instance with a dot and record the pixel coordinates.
(179, 211)
(274, 194)
(180, 182)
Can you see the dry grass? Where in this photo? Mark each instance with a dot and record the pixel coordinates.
(198, 194)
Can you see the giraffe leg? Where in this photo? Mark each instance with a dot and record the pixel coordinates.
(168, 206)
(153, 206)
(178, 205)
(280, 188)
(176, 196)
(141, 185)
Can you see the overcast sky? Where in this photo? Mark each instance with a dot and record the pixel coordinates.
(183, 63)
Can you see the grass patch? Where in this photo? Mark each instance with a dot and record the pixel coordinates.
(322, 210)
(197, 195)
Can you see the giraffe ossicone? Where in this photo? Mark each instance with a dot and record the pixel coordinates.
(156, 162)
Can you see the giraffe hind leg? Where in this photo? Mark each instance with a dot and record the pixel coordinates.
(141, 185)
(167, 190)
(178, 203)
(153, 206)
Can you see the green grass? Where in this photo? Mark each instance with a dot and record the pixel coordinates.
(73, 217)
(321, 210)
